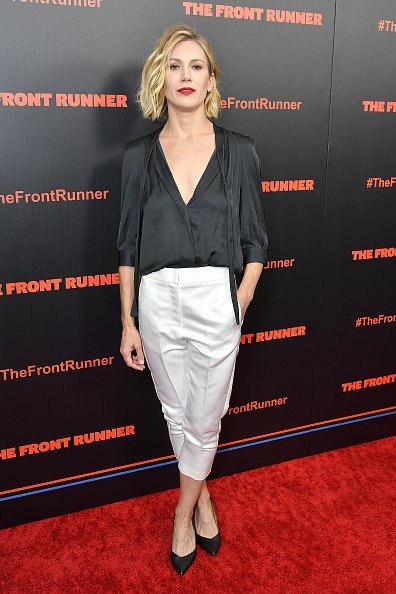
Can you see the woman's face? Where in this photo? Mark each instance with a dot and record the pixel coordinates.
(187, 69)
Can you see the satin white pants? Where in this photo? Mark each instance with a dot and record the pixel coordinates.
(190, 340)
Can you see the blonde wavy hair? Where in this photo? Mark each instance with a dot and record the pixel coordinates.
(151, 93)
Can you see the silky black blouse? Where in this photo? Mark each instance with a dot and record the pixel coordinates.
(175, 234)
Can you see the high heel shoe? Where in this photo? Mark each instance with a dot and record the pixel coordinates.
(181, 562)
(210, 545)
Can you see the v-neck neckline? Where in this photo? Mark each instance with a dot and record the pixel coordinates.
(204, 172)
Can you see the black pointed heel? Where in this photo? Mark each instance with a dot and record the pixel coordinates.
(210, 545)
(181, 562)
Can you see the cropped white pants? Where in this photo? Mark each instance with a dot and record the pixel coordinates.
(190, 340)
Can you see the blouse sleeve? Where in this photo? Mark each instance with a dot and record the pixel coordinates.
(254, 238)
(127, 232)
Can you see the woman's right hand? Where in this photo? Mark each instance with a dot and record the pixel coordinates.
(131, 341)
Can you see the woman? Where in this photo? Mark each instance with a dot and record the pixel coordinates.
(190, 216)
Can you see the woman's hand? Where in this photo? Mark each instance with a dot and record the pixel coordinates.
(244, 299)
(245, 292)
(131, 340)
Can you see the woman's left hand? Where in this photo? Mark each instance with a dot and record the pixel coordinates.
(244, 300)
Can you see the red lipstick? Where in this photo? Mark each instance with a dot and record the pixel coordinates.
(186, 90)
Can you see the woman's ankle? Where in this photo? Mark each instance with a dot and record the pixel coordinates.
(183, 515)
(204, 497)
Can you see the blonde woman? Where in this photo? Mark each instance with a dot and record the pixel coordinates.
(191, 216)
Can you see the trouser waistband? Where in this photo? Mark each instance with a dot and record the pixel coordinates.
(194, 274)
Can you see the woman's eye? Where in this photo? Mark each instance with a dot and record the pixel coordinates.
(195, 66)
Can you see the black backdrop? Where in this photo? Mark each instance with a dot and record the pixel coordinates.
(315, 369)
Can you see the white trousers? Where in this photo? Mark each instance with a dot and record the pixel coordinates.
(190, 340)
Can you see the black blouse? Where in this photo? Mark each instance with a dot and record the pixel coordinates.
(175, 234)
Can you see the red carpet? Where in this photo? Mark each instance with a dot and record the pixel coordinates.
(322, 524)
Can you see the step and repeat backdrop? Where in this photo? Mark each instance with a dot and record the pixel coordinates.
(312, 82)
